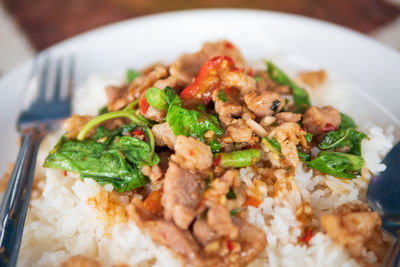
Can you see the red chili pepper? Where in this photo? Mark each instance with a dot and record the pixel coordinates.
(207, 79)
(250, 72)
(144, 106)
(230, 246)
(252, 201)
(308, 236)
(217, 161)
(228, 90)
(137, 132)
(191, 152)
(65, 173)
(328, 127)
(229, 45)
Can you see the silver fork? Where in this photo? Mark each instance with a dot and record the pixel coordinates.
(49, 104)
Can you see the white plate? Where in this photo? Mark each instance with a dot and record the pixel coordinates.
(370, 65)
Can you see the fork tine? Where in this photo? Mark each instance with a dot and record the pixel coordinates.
(58, 80)
(44, 77)
(67, 88)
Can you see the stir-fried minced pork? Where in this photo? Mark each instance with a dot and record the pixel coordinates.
(192, 154)
(163, 135)
(81, 261)
(265, 104)
(188, 65)
(321, 120)
(355, 227)
(283, 117)
(209, 157)
(240, 132)
(289, 135)
(202, 232)
(183, 193)
(251, 239)
(219, 220)
(227, 106)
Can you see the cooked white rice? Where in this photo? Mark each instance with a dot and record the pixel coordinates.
(62, 220)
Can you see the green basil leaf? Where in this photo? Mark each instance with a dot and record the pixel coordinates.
(231, 194)
(343, 138)
(300, 96)
(337, 164)
(131, 75)
(346, 122)
(222, 95)
(272, 144)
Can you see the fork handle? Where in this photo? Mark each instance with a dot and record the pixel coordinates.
(393, 257)
(15, 200)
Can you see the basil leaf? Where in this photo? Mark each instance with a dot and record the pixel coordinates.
(346, 122)
(234, 212)
(131, 75)
(272, 144)
(300, 96)
(343, 138)
(117, 161)
(308, 137)
(337, 164)
(231, 194)
(103, 110)
(303, 156)
(193, 123)
(222, 96)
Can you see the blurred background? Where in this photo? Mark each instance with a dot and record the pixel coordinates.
(28, 26)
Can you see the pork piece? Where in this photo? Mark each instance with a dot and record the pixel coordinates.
(240, 80)
(202, 232)
(264, 104)
(320, 120)
(192, 154)
(240, 132)
(157, 171)
(171, 81)
(219, 220)
(251, 239)
(115, 99)
(289, 136)
(165, 233)
(226, 109)
(75, 123)
(220, 186)
(355, 227)
(283, 117)
(183, 193)
(80, 261)
(313, 78)
(163, 135)
(154, 114)
(142, 83)
(266, 84)
(188, 65)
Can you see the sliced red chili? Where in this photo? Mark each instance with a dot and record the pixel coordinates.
(252, 201)
(230, 246)
(307, 236)
(250, 72)
(137, 132)
(65, 173)
(217, 161)
(328, 127)
(144, 106)
(229, 45)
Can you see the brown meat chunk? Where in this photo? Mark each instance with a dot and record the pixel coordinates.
(202, 232)
(165, 233)
(155, 114)
(219, 220)
(191, 154)
(283, 117)
(317, 119)
(142, 83)
(313, 78)
(251, 239)
(75, 123)
(226, 109)
(265, 104)
(267, 84)
(240, 80)
(183, 192)
(163, 135)
(289, 136)
(240, 132)
(80, 261)
(115, 97)
(188, 65)
(355, 227)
